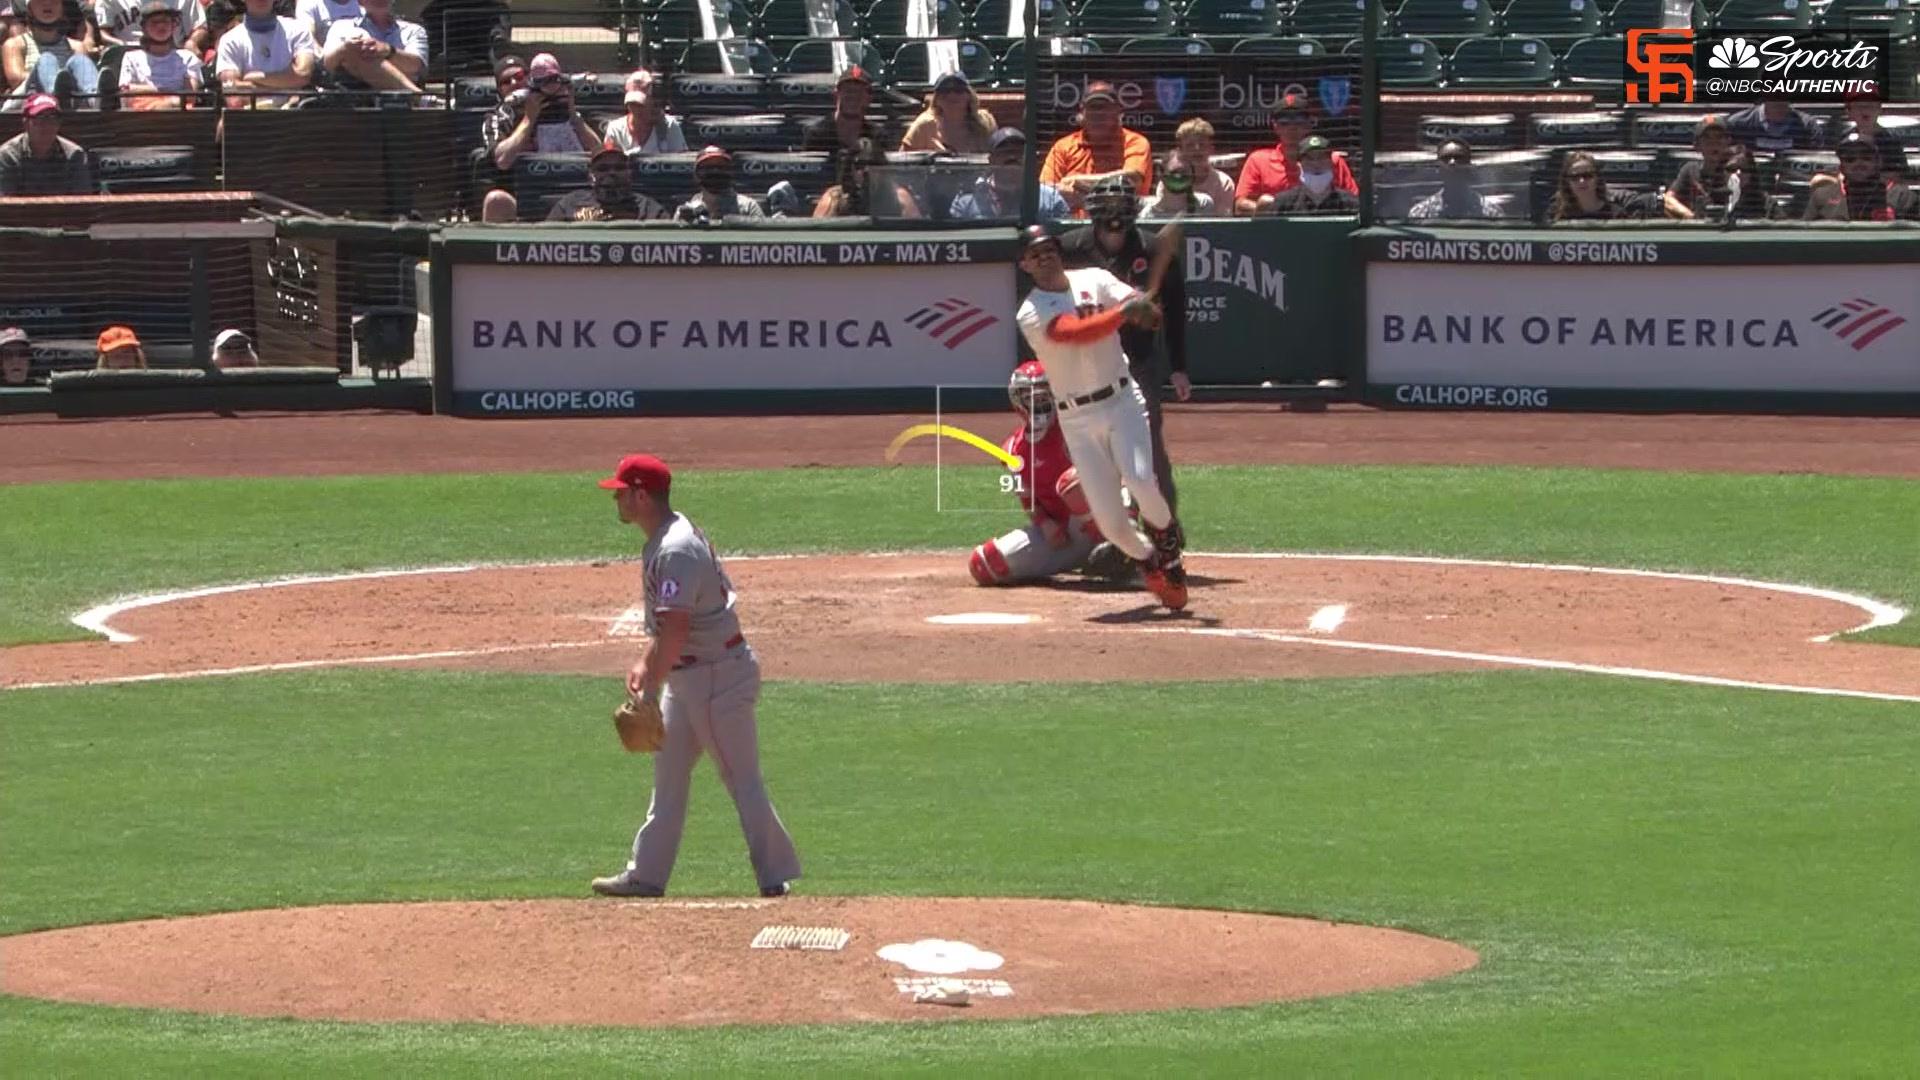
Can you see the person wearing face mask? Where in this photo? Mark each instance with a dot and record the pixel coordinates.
(996, 195)
(46, 60)
(1155, 355)
(713, 172)
(611, 196)
(1176, 194)
(1271, 171)
(1860, 192)
(1317, 192)
(1456, 200)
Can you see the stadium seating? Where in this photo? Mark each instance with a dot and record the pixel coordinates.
(1769, 15)
(826, 56)
(746, 56)
(1895, 18)
(1559, 22)
(1663, 128)
(1490, 131)
(784, 21)
(1166, 46)
(1230, 21)
(679, 20)
(808, 95)
(1502, 61)
(1444, 21)
(764, 132)
(1597, 128)
(121, 170)
(1405, 61)
(1280, 46)
(722, 95)
(1118, 20)
(1328, 19)
(1628, 14)
(1597, 64)
(886, 20)
(909, 69)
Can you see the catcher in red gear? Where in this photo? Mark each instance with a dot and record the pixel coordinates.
(1061, 534)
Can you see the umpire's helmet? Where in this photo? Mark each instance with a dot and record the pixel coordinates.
(1112, 203)
(1032, 397)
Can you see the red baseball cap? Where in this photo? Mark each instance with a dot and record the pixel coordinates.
(643, 471)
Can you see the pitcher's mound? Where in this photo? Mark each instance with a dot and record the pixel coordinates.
(688, 962)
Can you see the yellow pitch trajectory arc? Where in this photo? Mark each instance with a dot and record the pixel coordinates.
(1012, 461)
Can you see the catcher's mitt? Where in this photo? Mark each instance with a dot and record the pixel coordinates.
(641, 729)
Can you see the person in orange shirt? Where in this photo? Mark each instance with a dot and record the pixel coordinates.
(1269, 172)
(1100, 149)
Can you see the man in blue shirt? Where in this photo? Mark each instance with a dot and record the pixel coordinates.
(996, 196)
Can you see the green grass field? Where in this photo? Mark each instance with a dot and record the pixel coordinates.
(1661, 879)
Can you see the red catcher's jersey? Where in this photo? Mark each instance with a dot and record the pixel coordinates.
(1040, 479)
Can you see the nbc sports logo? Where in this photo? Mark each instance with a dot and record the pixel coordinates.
(951, 321)
(1859, 322)
(1736, 52)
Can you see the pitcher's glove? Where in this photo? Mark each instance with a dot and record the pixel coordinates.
(641, 729)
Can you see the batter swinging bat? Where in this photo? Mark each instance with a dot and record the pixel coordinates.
(1172, 238)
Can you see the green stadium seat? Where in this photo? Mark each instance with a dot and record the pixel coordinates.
(789, 20)
(989, 18)
(1894, 18)
(1232, 19)
(1166, 46)
(1279, 46)
(1012, 69)
(749, 57)
(1556, 21)
(909, 69)
(1405, 61)
(1444, 20)
(679, 20)
(1331, 18)
(1125, 18)
(1770, 15)
(1507, 61)
(1595, 63)
(888, 19)
(818, 56)
(1628, 14)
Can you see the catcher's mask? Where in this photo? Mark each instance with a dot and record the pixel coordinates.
(1032, 397)
(1112, 204)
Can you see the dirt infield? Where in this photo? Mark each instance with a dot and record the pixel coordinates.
(884, 617)
(40, 450)
(658, 963)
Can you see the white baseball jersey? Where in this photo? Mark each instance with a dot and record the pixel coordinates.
(1074, 369)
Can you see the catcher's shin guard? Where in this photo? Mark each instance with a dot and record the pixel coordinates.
(988, 566)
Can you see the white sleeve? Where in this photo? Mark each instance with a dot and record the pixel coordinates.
(300, 40)
(675, 139)
(340, 33)
(1114, 291)
(109, 14)
(311, 12)
(196, 78)
(1033, 325)
(413, 40)
(234, 53)
(134, 69)
(191, 18)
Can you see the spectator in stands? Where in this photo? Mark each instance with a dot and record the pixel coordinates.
(376, 50)
(1772, 125)
(996, 195)
(1863, 116)
(1582, 194)
(232, 348)
(1193, 144)
(16, 356)
(1176, 194)
(1269, 172)
(1720, 178)
(954, 122)
(220, 15)
(158, 73)
(848, 124)
(320, 15)
(120, 349)
(124, 22)
(646, 129)
(713, 173)
(509, 75)
(49, 58)
(1100, 149)
(38, 161)
(263, 53)
(1317, 192)
(1456, 200)
(1861, 192)
(858, 192)
(541, 118)
(611, 198)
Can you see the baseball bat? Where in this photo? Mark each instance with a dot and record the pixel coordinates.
(1172, 238)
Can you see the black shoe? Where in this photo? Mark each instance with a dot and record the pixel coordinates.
(775, 892)
(64, 88)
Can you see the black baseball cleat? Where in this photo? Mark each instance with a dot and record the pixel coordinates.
(774, 892)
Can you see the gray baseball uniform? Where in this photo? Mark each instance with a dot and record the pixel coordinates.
(708, 707)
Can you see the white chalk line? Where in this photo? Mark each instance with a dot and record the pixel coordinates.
(301, 665)
(1285, 638)
(1328, 619)
(1880, 613)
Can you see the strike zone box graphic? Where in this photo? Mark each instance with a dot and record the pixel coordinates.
(1732, 66)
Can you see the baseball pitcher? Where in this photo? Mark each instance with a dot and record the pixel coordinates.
(1061, 534)
(1071, 319)
(701, 679)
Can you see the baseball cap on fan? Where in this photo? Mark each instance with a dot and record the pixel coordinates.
(643, 471)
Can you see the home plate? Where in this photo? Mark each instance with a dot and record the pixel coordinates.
(983, 618)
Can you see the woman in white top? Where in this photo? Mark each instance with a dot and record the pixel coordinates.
(954, 122)
(646, 129)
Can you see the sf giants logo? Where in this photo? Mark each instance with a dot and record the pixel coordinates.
(1666, 66)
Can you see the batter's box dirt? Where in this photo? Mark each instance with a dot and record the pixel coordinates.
(591, 962)
(824, 618)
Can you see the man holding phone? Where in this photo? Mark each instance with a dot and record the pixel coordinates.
(541, 118)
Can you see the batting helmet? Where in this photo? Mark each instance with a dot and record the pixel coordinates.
(1034, 236)
(1032, 397)
(1112, 203)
